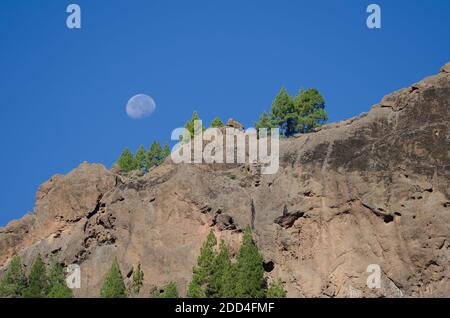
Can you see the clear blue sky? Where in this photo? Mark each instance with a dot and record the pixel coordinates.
(63, 92)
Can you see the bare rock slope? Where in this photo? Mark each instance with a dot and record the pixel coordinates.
(370, 190)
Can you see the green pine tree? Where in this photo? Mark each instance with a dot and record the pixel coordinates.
(190, 127)
(276, 290)
(219, 284)
(264, 121)
(292, 115)
(58, 287)
(140, 159)
(137, 280)
(203, 271)
(170, 290)
(127, 162)
(165, 153)
(217, 123)
(310, 108)
(113, 286)
(38, 282)
(154, 155)
(249, 271)
(14, 280)
(283, 114)
(60, 291)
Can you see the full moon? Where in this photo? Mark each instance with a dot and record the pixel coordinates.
(140, 106)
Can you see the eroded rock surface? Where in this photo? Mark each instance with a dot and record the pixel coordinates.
(373, 189)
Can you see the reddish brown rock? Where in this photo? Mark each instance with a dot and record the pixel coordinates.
(370, 190)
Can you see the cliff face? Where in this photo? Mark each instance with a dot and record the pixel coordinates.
(370, 190)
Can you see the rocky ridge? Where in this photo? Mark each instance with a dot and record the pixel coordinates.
(373, 189)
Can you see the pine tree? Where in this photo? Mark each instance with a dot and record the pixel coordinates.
(113, 286)
(310, 107)
(58, 287)
(165, 153)
(249, 269)
(137, 280)
(140, 159)
(283, 114)
(203, 271)
(154, 155)
(292, 115)
(276, 290)
(171, 290)
(217, 123)
(264, 121)
(127, 162)
(14, 280)
(219, 286)
(190, 127)
(38, 282)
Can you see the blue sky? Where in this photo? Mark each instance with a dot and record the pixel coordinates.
(63, 92)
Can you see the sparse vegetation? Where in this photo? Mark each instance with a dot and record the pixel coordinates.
(39, 284)
(217, 276)
(137, 280)
(127, 161)
(276, 290)
(143, 160)
(217, 123)
(249, 271)
(168, 291)
(114, 286)
(58, 287)
(14, 281)
(202, 273)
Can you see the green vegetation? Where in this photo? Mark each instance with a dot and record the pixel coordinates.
(38, 282)
(202, 273)
(292, 114)
(137, 280)
(264, 122)
(58, 287)
(218, 276)
(113, 286)
(276, 290)
(143, 160)
(249, 271)
(217, 123)
(126, 161)
(140, 159)
(295, 114)
(157, 155)
(220, 284)
(190, 125)
(14, 281)
(169, 291)
(60, 291)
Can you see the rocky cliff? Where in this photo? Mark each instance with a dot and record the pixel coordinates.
(370, 190)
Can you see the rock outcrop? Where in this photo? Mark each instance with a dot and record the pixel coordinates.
(370, 190)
